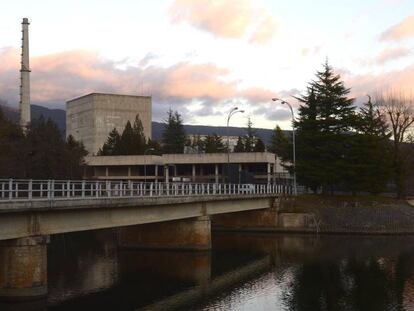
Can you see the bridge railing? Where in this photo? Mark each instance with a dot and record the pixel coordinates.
(14, 189)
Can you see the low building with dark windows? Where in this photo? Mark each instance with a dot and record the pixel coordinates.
(260, 167)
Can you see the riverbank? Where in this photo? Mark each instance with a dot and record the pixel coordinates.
(338, 215)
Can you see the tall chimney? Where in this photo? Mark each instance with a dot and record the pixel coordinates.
(25, 77)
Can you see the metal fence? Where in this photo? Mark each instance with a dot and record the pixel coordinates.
(14, 190)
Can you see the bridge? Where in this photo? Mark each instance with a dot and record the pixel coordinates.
(148, 215)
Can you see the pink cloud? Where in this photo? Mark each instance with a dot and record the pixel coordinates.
(400, 31)
(391, 54)
(61, 76)
(397, 80)
(225, 18)
(264, 31)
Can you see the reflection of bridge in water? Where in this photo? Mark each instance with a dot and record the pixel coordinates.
(88, 269)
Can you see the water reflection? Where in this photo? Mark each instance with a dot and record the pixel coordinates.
(87, 271)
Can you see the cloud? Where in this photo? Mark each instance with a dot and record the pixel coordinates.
(397, 80)
(391, 54)
(61, 76)
(231, 19)
(400, 31)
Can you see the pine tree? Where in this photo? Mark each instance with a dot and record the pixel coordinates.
(45, 151)
(127, 144)
(139, 146)
(173, 136)
(259, 146)
(12, 149)
(371, 152)
(279, 144)
(240, 145)
(112, 144)
(74, 158)
(213, 144)
(326, 118)
(250, 137)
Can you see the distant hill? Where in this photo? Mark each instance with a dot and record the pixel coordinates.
(59, 116)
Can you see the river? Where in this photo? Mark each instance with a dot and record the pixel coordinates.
(244, 271)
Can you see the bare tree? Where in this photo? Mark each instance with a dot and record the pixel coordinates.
(398, 110)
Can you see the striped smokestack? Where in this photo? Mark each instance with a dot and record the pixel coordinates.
(25, 77)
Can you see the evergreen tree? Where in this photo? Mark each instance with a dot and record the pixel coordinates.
(239, 146)
(250, 137)
(153, 144)
(12, 149)
(259, 146)
(213, 144)
(371, 152)
(127, 144)
(45, 151)
(112, 144)
(326, 118)
(173, 136)
(74, 158)
(279, 144)
(139, 146)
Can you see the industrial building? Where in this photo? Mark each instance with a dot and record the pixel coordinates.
(91, 117)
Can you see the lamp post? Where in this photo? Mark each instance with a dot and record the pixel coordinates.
(232, 112)
(295, 192)
(145, 163)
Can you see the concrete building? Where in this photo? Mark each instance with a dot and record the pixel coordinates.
(91, 117)
(260, 167)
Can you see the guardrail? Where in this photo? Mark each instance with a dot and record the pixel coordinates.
(13, 189)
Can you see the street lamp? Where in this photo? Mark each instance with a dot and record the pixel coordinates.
(231, 113)
(295, 192)
(145, 163)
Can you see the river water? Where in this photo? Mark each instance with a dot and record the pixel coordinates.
(244, 271)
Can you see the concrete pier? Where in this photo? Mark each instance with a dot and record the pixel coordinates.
(23, 273)
(260, 220)
(187, 234)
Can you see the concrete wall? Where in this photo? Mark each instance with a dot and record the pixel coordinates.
(91, 117)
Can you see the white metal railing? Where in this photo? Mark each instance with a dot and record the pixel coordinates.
(17, 189)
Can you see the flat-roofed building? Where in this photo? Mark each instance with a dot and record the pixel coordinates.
(91, 117)
(254, 167)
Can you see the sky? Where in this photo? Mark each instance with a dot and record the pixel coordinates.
(204, 57)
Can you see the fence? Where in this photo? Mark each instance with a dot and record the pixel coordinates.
(13, 189)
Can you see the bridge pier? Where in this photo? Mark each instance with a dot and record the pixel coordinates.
(256, 220)
(23, 272)
(187, 234)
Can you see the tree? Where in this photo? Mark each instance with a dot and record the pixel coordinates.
(112, 144)
(259, 146)
(213, 144)
(12, 149)
(74, 158)
(173, 136)
(128, 141)
(139, 145)
(279, 144)
(326, 117)
(249, 138)
(370, 152)
(45, 152)
(239, 146)
(399, 111)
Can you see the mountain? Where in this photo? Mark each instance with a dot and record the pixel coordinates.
(59, 116)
